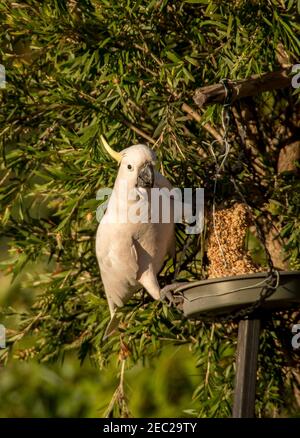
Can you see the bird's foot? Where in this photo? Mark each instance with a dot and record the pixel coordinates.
(166, 293)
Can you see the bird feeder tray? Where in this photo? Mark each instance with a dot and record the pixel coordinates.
(222, 295)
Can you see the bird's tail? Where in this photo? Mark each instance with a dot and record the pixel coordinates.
(111, 327)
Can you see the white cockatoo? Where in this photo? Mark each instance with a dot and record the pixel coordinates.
(131, 253)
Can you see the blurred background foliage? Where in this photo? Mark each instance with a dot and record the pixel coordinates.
(79, 69)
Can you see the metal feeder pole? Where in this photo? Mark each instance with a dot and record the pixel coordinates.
(246, 367)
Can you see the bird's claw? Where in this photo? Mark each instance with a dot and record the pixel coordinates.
(166, 295)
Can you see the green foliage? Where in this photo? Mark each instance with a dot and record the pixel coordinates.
(285, 208)
(71, 390)
(79, 69)
(32, 390)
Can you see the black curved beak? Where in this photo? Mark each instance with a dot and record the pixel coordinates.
(146, 176)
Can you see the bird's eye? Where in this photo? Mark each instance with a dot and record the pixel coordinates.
(129, 167)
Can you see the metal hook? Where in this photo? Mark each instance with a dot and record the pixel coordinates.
(228, 92)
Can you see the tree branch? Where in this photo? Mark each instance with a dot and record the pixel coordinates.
(197, 117)
(138, 131)
(247, 87)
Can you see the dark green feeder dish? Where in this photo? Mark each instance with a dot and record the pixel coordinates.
(223, 296)
(219, 296)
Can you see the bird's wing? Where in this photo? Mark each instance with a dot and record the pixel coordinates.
(118, 262)
(120, 256)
